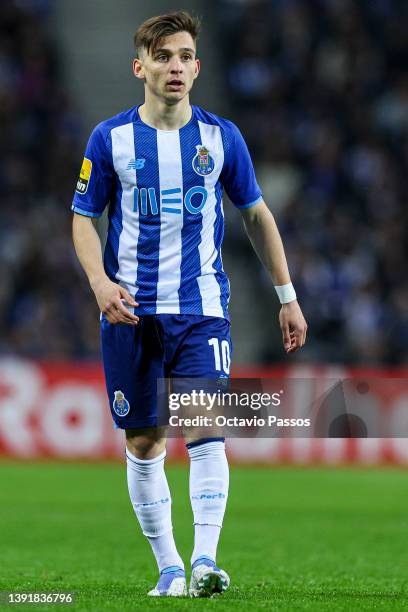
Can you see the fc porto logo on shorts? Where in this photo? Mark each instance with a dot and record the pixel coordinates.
(203, 163)
(120, 404)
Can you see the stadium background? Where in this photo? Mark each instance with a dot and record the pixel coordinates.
(327, 82)
(320, 91)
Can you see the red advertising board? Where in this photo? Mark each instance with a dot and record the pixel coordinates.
(60, 410)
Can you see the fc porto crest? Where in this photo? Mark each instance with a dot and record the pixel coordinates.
(120, 404)
(203, 163)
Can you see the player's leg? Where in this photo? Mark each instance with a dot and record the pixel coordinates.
(150, 496)
(133, 361)
(209, 481)
(204, 350)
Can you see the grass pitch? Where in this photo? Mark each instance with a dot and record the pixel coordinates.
(294, 539)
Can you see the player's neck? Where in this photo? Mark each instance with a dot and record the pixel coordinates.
(159, 115)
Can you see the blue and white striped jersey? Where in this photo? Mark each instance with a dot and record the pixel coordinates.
(166, 220)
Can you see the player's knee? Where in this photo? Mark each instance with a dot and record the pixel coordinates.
(145, 444)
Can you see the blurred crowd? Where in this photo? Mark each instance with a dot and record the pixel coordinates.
(46, 310)
(320, 90)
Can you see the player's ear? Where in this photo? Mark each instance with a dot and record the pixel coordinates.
(197, 68)
(138, 69)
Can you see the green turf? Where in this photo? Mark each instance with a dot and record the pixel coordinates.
(294, 539)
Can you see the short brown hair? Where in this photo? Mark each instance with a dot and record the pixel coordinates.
(153, 30)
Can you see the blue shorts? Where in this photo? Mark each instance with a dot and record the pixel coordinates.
(160, 346)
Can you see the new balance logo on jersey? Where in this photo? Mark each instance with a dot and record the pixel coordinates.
(146, 201)
(136, 164)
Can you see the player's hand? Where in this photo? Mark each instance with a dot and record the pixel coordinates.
(111, 297)
(293, 326)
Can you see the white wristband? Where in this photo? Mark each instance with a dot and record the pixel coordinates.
(286, 293)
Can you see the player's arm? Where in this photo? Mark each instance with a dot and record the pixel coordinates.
(265, 238)
(110, 296)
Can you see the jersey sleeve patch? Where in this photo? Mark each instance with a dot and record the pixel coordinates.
(84, 176)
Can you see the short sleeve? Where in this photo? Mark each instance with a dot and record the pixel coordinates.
(238, 174)
(95, 181)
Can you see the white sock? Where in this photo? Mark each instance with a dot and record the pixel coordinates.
(151, 500)
(205, 541)
(209, 479)
(165, 551)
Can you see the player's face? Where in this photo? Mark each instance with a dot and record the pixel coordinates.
(170, 70)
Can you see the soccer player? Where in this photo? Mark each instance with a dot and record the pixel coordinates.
(160, 286)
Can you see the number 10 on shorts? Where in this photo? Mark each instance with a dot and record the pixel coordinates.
(222, 354)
